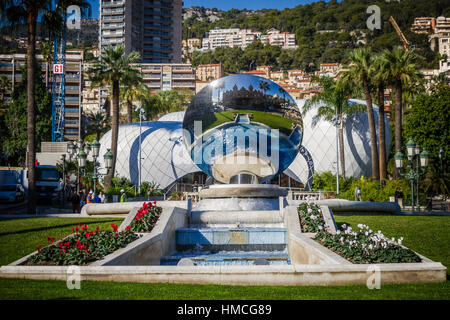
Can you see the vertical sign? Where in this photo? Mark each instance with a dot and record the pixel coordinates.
(58, 68)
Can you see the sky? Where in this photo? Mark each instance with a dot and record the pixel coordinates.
(226, 5)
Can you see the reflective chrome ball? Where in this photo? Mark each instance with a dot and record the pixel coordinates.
(243, 129)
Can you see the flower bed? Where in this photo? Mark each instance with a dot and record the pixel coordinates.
(311, 218)
(83, 246)
(146, 217)
(366, 246)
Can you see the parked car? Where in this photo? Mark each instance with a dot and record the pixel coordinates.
(12, 193)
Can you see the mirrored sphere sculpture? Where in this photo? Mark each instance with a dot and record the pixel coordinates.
(243, 129)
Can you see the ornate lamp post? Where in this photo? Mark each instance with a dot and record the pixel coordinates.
(63, 193)
(414, 169)
(141, 117)
(94, 147)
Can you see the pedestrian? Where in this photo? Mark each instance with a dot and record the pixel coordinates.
(75, 199)
(358, 193)
(90, 197)
(83, 197)
(102, 197)
(123, 196)
(399, 197)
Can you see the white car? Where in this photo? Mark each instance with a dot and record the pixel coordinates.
(12, 193)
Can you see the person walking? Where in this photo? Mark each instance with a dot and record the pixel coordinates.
(83, 197)
(90, 197)
(102, 197)
(75, 199)
(123, 196)
(358, 193)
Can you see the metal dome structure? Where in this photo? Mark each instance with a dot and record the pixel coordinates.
(165, 158)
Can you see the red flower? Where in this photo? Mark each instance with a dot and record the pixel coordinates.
(114, 227)
(128, 228)
(154, 202)
(39, 249)
(60, 244)
(50, 239)
(76, 229)
(79, 223)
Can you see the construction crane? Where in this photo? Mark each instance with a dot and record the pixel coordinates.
(406, 44)
(58, 83)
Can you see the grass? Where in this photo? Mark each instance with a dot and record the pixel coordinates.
(272, 120)
(20, 237)
(428, 236)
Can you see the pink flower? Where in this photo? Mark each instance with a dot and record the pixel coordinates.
(39, 249)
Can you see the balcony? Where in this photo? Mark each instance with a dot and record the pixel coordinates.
(113, 18)
(108, 4)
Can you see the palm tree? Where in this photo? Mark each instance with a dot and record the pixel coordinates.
(47, 53)
(113, 68)
(380, 80)
(98, 123)
(401, 71)
(361, 60)
(330, 102)
(132, 92)
(264, 86)
(27, 11)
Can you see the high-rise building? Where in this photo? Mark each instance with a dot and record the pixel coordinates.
(150, 27)
(11, 64)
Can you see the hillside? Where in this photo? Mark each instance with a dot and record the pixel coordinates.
(325, 32)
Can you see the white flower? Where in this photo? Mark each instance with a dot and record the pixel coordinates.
(370, 246)
(338, 232)
(360, 226)
(344, 226)
(313, 217)
(366, 233)
(320, 228)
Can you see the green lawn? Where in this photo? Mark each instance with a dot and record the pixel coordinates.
(426, 235)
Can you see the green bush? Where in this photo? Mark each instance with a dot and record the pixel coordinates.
(371, 190)
(366, 246)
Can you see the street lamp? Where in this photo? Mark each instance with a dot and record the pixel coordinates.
(141, 116)
(83, 152)
(414, 173)
(63, 159)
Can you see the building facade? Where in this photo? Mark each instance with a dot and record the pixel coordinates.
(274, 37)
(150, 27)
(208, 72)
(11, 64)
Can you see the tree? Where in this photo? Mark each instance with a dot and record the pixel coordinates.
(428, 125)
(15, 138)
(264, 86)
(401, 71)
(166, 101)
(20, 11)
(380, 78)
(361, 61)
(113, 68)
(330, 102)
(98, 123)
(47, 52)
(131, 92)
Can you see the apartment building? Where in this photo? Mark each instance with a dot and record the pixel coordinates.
(150, 27)
(161, 77)
(208, 72)
(233, 37)
(274, 37)
(11, 64)
(424, 25)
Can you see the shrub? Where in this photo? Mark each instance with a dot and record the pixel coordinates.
(82, 246)
(371, 190)
(146, 217)
(311, 218)
(366, 246)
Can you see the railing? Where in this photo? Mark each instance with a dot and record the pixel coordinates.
(305, 195)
